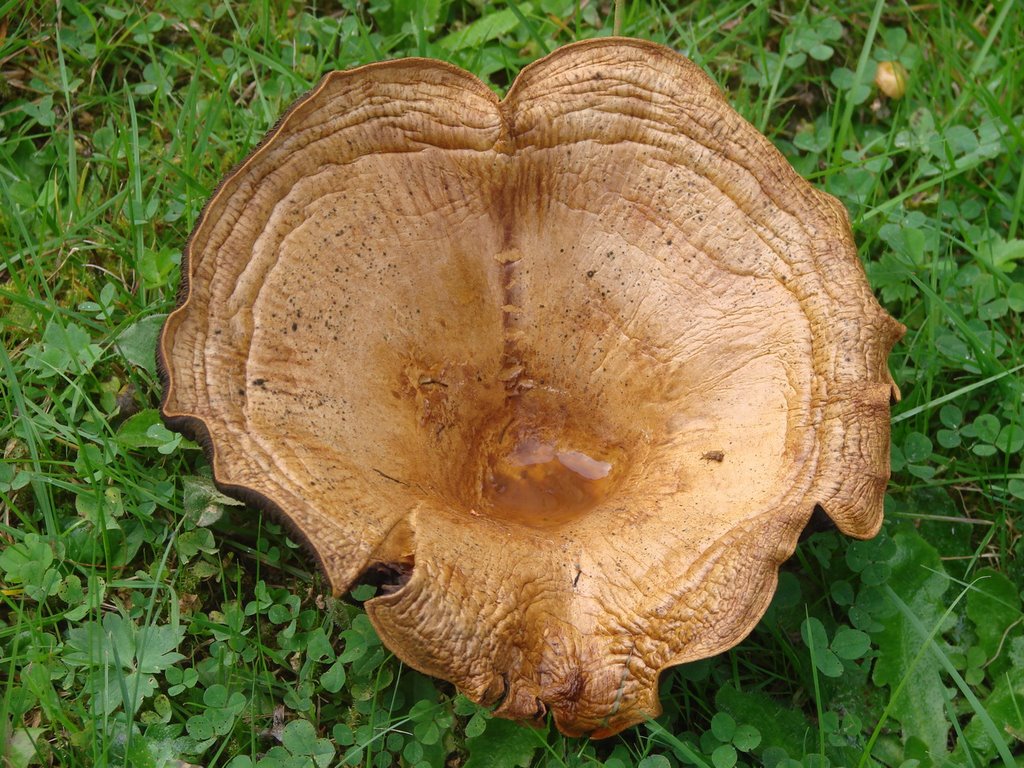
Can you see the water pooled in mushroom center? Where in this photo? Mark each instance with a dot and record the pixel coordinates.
(540, 483)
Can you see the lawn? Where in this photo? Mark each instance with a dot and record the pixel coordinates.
(148, 620)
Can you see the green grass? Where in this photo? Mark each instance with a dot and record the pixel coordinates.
(146, 620)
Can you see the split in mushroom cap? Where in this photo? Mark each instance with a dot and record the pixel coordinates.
(572, 369)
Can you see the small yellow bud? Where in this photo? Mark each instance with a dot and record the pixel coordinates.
(891, 79)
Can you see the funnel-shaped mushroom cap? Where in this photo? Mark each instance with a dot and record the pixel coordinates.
(569, 371)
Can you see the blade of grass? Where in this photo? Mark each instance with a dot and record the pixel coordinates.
(671, 740)
(845, 127)
(929, 643)
(884, 717)
(955, 395)
(531, 28)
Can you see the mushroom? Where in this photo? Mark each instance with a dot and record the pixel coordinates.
(566, 373)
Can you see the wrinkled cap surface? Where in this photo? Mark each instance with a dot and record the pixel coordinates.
(566, 373)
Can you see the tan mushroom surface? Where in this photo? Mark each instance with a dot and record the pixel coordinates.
(570, 370)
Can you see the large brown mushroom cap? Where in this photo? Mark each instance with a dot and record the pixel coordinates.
(574, 367)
